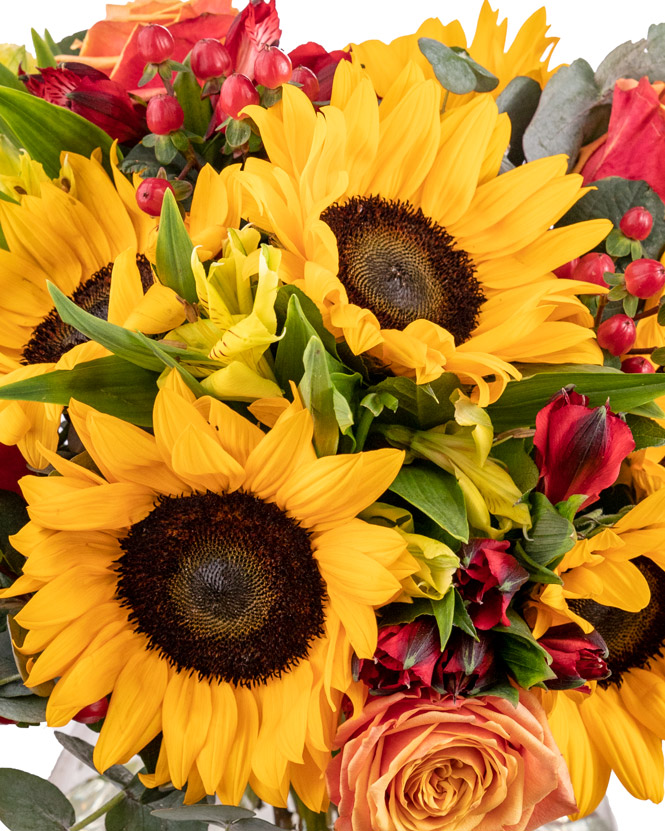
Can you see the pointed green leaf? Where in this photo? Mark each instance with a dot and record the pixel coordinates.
(217, 814)
(444, 612)
(317, 393)
(30, 803)
(174, 251)
(83, 751)
(551, 535)
(521, 467)
(435, 493)
(198, 111)
(646, 432)
(43, 52)
(461, 617)
(8, 79)
(44, 129)
(420, 405)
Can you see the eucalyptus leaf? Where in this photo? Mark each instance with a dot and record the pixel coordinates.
(28, 709)
(83, 751)
(130, 815)
(253, 824)
(174, 251)
(8, 669)
(43, 129)
(217, 814)
(437, 494)
(13, 516)
(634, 60)
(455, 69)
(520, 100)
(29, 803)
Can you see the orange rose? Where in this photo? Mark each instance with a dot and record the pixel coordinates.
(440, 764)
(110, 45)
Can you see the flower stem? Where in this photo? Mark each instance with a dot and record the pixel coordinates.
(105, 808)
(651, 312)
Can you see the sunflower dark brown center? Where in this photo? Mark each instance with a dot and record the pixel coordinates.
(633, 639)
(53, 337)
(403, 266)
(223, 584)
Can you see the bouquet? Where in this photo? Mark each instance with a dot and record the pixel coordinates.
(331, 423)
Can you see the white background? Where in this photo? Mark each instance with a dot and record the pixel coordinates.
(587, 28)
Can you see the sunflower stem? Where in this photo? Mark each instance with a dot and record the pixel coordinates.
(364, 423)
(104, 809)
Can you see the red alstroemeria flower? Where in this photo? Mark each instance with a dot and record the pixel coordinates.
(579, 450)
(487, 579)
(12, 468)
(468, 666)
(405, 657)
(91, 94)
(576, 657)
(634, 144)
(322, 63)
(257, 26)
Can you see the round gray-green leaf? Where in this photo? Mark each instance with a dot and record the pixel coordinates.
(29, 803)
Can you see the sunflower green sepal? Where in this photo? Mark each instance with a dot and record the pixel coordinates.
(461, 447)
(436, 561)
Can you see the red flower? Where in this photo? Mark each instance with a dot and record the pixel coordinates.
(323, 64)
(256, 27)
(634, 144)
(467, 666)
(405, 657)
(91, 94)
(487, 579)
(576, 657)
(579, 450)
(12, 468)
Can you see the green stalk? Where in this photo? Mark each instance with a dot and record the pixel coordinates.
(105, 808)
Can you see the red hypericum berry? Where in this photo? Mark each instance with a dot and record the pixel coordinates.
(272, 67)
(591, 268)
(565, 271)
(308, 81)
(155, 43)
(164, 115)
(617, 334)
(236, 93)
(636, 364)
(93, 712)
(150, 195)
(636, 223)
(644, 278)
(4, 720)
(210, 59)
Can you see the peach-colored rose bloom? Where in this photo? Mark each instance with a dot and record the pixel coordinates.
(440, 764)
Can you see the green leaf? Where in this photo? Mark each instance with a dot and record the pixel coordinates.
(29, 803)
(64, 47)
(13, 516)
(8, 669)
(43, 53)
(253, 824)
(420, 405)
(111, 385)
(444, 612)
(83, 751)
(165, 150)
(527, 661)
(455, 70)
(217, 814)
(550, 535)
(130, 815)
(503, 690)
(636, 249)
(174, 251)
(405, 612)
(309, 311)
(569, 113)
(611, 198)
(646, 432)
(461, 617)
(522, 400)
(30, 709)
(238, 132)
(44, 129)
(650, 410)
(617, 243)
(634, 60)
(435, 493)
(198, 111)
(630, 305)
(521, 467)
(168, 360)
(537, 572)
(8, 79)
(520, 100)
(658, 355)
(317, 393)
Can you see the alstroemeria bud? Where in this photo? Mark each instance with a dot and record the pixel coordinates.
(307, 80)
(565, 271)
(467, 665)
(405, 657)
(210, 59)
(487, 579)
(93, 712)
(617, 334)
(150, 195)
(636, 223)
(164, 115)
(644, 278)
(579, 449)
(591, 268)
(636, 364)
(576, 657)
(272, 68)
(155, 43)
(237, 92)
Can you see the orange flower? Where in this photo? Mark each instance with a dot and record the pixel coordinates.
(110, 44)
(440, 764)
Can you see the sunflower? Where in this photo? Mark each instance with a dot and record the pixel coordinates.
(215, 580)
(528, 55)
(614, 582)
(395, 223)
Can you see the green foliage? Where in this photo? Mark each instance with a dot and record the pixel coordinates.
(13, 516)
(29, 803)
(43, 129)
(226, 816)
(43, 52)
(83, 751)
(520, 100)
(421, 406)
(318, 396)
(198, 111)
(237, 132)
(521, 467)
(435, 493)
(174, 251)
(551, 534)
(527, 661)
(8, 79)
(646, 432)
(455, 69)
